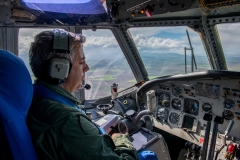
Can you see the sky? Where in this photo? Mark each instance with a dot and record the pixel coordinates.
(148, 40)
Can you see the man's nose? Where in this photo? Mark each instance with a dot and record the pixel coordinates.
(86, 68)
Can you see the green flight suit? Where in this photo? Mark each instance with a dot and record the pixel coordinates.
(63, 132)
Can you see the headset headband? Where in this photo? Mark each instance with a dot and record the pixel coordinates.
(60, 41)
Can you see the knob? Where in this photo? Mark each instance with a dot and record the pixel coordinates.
(130, 113)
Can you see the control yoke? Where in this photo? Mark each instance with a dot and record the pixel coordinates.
(132, 121)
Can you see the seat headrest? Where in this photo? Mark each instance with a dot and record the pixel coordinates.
(16, 89)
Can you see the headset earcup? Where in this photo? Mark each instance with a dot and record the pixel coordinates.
(59, 68)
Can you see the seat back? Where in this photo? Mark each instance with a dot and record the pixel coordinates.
(16, 93)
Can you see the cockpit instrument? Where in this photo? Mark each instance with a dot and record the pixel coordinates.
(176, 104)
(191, 106)
(207, 107)
(229, 104)
(164, 99)
(228, 115)
(189, 123)
(174, 118)
(162, 114)
(176, 90)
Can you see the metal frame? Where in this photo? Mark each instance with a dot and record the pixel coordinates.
(9, 39)
(216, 52)
(131, 53)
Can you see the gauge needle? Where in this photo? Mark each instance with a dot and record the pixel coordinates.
(164, 102)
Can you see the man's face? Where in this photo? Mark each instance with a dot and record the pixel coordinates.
(77, 73)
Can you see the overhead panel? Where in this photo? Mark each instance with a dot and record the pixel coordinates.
(124, 9)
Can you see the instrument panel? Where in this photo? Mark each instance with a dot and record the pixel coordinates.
(182, 104)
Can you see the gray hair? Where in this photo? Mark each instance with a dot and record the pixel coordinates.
(40, 53)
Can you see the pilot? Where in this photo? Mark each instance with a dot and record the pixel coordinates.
(59, 129)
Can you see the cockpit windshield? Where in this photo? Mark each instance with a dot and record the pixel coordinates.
(229, 37)
(162, 50)
(106, 62)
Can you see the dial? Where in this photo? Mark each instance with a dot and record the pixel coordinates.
(174, 118)
(229, 104)
(177, 90)
(162, 114)
(191, 106)
(164, 99)
(207, 107)
(228, 115)
(176, 104)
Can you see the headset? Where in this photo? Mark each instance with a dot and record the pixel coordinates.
(59, 68)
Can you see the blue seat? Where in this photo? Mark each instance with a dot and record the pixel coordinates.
(16, 93)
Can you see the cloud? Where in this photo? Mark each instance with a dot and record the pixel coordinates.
(101, 41)
(24, 44)
(156, 30)
(155, 42)
(26, 36)
(168, 45)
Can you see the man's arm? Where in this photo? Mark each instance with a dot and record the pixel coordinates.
(80, 139)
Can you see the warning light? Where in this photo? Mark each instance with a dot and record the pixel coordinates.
(142, 11)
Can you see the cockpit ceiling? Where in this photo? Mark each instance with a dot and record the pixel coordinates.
(113, 12)
(71, 12)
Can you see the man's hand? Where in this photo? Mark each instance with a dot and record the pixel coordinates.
(115, 134)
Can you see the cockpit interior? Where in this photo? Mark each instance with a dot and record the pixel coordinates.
(165, 72)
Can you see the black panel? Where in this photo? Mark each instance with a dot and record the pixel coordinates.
(127, 7)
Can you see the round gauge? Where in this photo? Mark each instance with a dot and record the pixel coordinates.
(176, 104)
(229, 104)
(228, 115)
(207, 107)
(164, 99)
(176, 90)
(191, 106)
(174, 118)
(162, 114)
(143, 106)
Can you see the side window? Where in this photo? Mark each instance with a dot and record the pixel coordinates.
(230, 40)
(162, 50)
(107, 64)
(26, 36)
